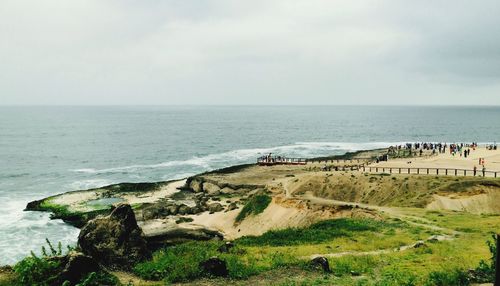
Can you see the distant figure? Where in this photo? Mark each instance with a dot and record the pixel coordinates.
(475, 170)
(484, 171)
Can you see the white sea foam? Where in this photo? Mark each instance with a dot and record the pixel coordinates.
(89, 184)
(299, 149)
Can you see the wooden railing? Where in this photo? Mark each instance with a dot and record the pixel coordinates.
(431, 171)
(355, 160)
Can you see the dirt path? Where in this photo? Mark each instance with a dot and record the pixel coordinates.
(446, 234)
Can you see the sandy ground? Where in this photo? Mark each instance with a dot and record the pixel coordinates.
(446, 160)
(150, 197)
(275, 216)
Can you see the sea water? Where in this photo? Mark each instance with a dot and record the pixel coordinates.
(50, 150)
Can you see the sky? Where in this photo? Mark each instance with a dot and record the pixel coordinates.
(259, 52)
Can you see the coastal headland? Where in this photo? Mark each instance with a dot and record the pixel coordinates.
(375, 216)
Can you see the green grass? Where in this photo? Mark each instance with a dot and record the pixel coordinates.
(75, 218)
(255, 205)
(319, 232)
(181, 262)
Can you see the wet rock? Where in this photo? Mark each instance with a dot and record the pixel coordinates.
(226, 247)
(214, 266)
(321, 263)
(215, 207)
(116, 240)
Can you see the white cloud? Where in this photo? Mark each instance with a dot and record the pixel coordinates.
(252, 52)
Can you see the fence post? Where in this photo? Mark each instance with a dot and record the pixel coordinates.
(409, 170)
(427, 171)
(495, 174)
(455, 172)
(418, 171)
(465, 173)
(437, 171)
(383, 170)
(390, 170)
(376, 170)
(400, 170)
(446, 172)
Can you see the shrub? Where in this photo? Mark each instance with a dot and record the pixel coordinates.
(485, 272)
(37, 271)
(44, 270)
(454, 277)
(256, 205)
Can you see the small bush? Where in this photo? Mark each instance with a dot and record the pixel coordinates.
(454, 277)
(36, 271)
(485, 272)
(256, 205)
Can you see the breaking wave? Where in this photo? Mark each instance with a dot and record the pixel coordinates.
(299, 149)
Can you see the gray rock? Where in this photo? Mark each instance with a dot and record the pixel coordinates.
(321, 263)
(215, 207)
(211, 189)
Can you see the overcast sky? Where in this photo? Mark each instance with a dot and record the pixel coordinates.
(250, 52)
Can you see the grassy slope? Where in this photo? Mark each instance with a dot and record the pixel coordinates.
(269, 261)
(385, 189)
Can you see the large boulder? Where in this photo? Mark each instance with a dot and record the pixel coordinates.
(115, 240)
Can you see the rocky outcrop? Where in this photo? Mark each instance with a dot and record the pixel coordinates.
(116, 240)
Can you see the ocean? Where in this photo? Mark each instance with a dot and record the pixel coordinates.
(50, 150)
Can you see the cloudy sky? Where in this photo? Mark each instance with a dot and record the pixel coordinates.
(250, 52)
